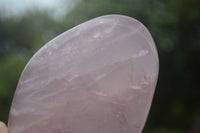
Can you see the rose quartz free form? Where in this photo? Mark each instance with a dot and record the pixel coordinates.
(98, 77)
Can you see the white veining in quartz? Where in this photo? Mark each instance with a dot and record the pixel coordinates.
(98, 77)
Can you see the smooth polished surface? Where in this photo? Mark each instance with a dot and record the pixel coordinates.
(98, 77)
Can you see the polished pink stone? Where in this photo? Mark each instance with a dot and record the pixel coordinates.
(98, 77)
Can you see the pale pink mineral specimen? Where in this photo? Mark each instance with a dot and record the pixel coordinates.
(98, 77)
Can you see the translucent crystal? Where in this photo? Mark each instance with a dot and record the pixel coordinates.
(98, 77)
